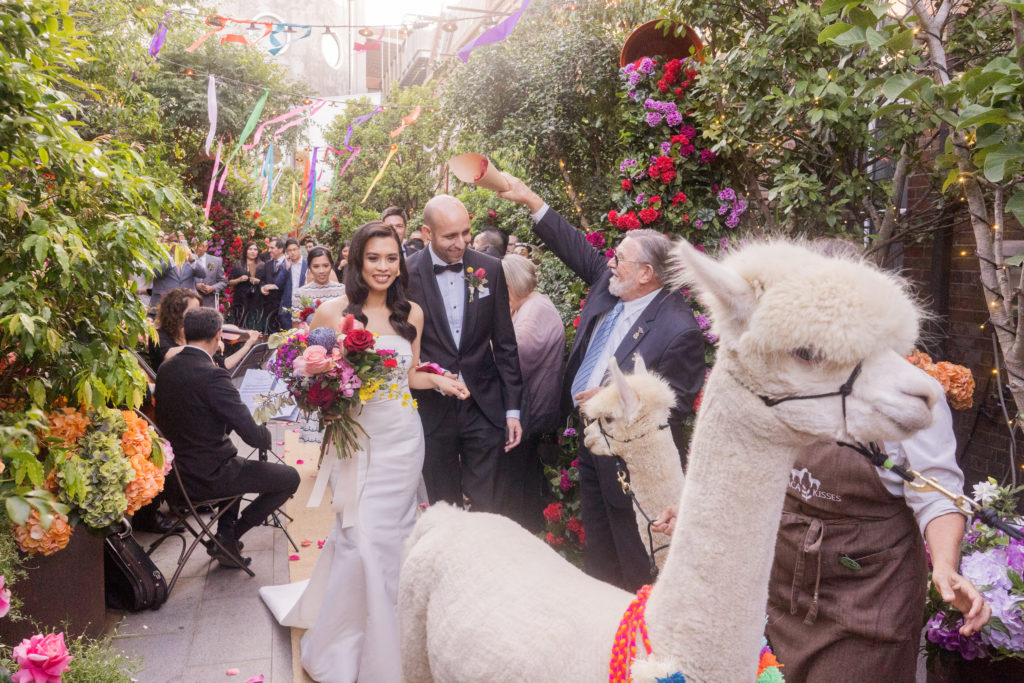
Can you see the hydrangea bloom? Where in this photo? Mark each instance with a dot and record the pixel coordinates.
(673, 118)
(647, 65)
(727, 195)
(653, 118)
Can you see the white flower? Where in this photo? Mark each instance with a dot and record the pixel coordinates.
(985, 492)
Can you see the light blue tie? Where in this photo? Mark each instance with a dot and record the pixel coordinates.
(594, 350)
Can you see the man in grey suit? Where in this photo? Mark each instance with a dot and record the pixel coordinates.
(210, 286)
(167, 274)
(629, 312)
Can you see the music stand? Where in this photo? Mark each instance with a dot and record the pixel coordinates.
(253, 360)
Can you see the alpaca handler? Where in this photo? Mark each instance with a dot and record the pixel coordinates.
(848, 585)
(630, 312)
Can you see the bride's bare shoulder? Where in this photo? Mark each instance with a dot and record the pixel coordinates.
(329, 313)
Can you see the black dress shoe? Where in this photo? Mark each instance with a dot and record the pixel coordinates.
(157, 524)
(233, 557)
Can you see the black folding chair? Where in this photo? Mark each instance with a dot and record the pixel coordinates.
(185, 511)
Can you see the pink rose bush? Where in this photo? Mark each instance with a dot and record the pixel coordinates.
(41, 659)
(5, 597)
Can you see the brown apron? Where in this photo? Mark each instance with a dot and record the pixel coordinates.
(848, 585)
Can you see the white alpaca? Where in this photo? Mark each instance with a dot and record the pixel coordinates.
(630, 420)
(480, 599)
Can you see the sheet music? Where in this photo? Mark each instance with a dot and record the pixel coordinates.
(256, 382)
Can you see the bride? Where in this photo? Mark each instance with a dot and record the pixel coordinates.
(349, 604)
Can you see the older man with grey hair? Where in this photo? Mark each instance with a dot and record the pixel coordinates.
(629, 312)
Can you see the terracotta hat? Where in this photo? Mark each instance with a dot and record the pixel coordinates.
(478, 170)
(648, 40)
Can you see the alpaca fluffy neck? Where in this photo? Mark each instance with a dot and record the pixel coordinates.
(655, 476)
(706, 612)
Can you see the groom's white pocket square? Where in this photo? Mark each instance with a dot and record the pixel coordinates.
(484, 293)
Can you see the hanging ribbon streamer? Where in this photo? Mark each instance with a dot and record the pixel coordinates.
(271, 122)
(494, 34)
(319, 105)
(353, 151)
(159, 37)
(267, 175)
(310, 183)
(295, 206)
(278, 44)
(250, 124)
(220, 23)
(406, 122)
(211, 111)
(213, 178)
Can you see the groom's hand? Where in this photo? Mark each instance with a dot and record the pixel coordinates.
(514, 429)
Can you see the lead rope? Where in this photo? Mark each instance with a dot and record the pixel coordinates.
(650, 550)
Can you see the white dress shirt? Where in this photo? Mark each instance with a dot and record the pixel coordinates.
(631, 311)
(296, 269)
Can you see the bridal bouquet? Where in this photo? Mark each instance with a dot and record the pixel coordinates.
(995, 563)
(330, 374)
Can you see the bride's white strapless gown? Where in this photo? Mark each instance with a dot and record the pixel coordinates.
(349, 604)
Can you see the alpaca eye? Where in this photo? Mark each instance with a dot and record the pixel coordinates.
(806, 354)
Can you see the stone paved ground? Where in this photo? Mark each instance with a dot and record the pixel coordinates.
(214, 619)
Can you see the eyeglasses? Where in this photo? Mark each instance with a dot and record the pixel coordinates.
(615, 260)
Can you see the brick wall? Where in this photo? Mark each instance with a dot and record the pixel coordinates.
(944, 269)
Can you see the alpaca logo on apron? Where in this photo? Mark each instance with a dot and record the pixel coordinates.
(809, 487)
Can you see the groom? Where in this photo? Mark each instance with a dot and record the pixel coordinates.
(467, 331)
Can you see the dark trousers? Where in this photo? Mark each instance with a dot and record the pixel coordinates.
(522, 486)
(613, 552)
(273, 482)
(461, 457)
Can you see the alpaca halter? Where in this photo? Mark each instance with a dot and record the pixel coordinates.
(845, 390)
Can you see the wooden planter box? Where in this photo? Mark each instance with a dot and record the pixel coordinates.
(66, 587)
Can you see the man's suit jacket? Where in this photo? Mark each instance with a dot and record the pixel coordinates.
(214, 277)
(197, 408)
(168, 276)
(665, 335)
(265, 272)
(486, 357)
(285, 285)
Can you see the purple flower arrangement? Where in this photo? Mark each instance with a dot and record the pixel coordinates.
(994, 562)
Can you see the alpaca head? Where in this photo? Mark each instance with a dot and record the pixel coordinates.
(793, 322)
(630, 406)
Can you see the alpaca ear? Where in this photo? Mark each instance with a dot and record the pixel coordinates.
(628, 399)
(729, 297)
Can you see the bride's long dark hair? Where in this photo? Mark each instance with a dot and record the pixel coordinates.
(357, 290)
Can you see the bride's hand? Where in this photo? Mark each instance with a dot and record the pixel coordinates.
(452, 387)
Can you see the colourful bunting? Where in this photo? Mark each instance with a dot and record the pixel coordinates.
(159, 36)
(211, 111)
(213, 178)
(278, 44)
(494, 34)
(250, 124)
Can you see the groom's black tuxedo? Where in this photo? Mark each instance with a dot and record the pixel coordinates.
(487, 359)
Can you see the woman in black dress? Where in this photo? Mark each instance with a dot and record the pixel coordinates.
(247, 302)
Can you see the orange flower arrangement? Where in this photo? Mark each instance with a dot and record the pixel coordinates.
(32, 538)
(136, 440)
(148, 482)
(956, 380)
(68, 424)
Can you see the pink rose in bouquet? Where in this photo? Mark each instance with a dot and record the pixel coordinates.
(41, 659)
(5, 597)
(314, 361)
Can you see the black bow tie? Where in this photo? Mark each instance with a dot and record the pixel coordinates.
(454, 267)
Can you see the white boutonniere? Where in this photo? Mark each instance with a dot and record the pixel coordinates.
(477, 282)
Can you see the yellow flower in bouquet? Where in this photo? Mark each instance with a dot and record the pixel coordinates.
(68, 424)
(148, 482)
(32, 538)
(135, 440)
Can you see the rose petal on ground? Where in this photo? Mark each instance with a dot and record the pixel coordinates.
(256, 679)
(320, 544)
(232, 672)
(300, 462)
(280, 443)
(306, 543)
(293, 558)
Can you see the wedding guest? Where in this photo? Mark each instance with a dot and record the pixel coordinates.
(414, 244)
(211, 286)
(307, 243)
(294, 277)
(247, 302)
(510, 248)
(492, 241)
(318, 285)
(395, 217)
(197, 408)
(342, 261)
(271, 276)
(168, 274)
(629, 312)
(540, 337)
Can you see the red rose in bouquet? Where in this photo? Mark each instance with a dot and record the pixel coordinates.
(321, 395)
(358, 340)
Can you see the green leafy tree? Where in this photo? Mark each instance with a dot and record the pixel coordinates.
(78, 219)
